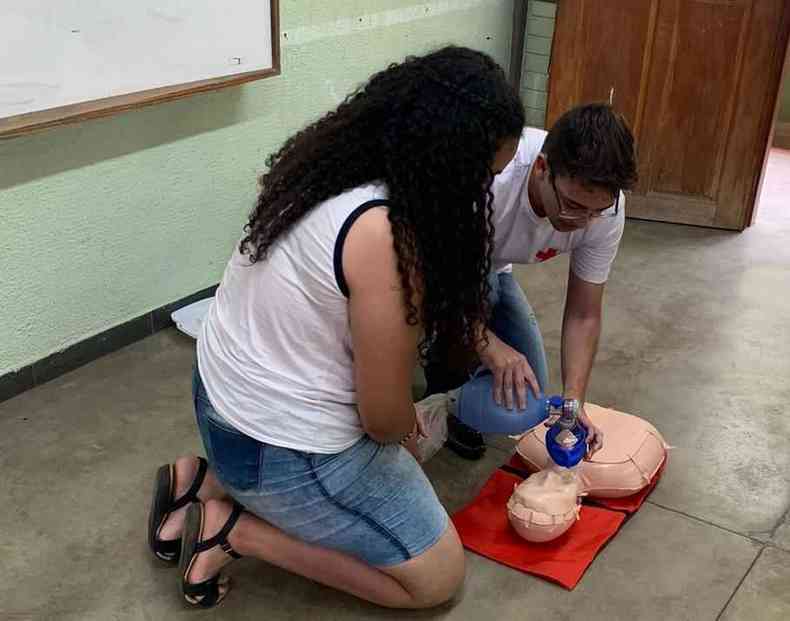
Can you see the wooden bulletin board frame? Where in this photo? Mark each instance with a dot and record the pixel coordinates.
(43, 119)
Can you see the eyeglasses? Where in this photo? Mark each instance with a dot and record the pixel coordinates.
(583, 214)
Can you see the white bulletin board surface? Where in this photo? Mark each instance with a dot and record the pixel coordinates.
(64, 60)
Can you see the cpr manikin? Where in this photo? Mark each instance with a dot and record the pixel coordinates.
(546, 504)
(632, 454)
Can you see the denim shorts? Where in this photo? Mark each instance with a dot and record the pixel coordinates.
(371, 501)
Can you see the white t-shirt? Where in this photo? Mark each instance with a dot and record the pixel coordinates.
(522, 237)
(275, 350)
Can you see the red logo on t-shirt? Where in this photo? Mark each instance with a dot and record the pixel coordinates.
(545, 255)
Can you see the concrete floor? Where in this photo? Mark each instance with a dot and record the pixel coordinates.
(697, 337)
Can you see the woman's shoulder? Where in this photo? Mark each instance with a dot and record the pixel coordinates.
(357, 197)
(368, 256)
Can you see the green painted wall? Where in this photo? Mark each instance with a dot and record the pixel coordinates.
(103, 221)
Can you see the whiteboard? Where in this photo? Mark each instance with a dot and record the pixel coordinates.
(59, 53)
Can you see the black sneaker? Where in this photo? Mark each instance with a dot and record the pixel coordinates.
(463, 440)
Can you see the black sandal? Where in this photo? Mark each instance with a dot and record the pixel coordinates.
(163, 505)
(463, 440)
(205, 594)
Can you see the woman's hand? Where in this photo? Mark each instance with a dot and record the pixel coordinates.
(410, 441)
(511, 370)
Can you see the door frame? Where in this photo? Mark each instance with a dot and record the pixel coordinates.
(784, 79)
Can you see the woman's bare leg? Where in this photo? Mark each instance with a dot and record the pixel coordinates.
(424, 581)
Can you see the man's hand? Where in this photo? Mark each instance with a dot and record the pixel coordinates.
(594, 434)
(511, 370)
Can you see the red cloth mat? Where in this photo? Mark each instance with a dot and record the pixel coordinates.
(484, 528)
(629, 504)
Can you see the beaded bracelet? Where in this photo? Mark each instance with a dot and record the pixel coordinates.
(409, 436)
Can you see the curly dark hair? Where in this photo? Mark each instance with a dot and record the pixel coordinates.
(593, 143)
(428, 128)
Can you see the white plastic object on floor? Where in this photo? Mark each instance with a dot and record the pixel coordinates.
(189, 319)
(432, 414)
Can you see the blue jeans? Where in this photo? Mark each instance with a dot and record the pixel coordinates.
(512, 320)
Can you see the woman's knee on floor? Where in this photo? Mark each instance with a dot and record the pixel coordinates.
(436, 575)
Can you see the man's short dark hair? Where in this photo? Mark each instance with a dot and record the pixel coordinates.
(593, 144)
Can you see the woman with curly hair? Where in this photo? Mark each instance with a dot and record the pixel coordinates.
(370, 238)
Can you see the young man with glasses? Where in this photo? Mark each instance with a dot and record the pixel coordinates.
(561, 193)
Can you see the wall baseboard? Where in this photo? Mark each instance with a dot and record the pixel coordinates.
(113, 339)
(782, 135)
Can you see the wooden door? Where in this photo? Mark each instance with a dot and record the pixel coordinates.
(697, 80)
